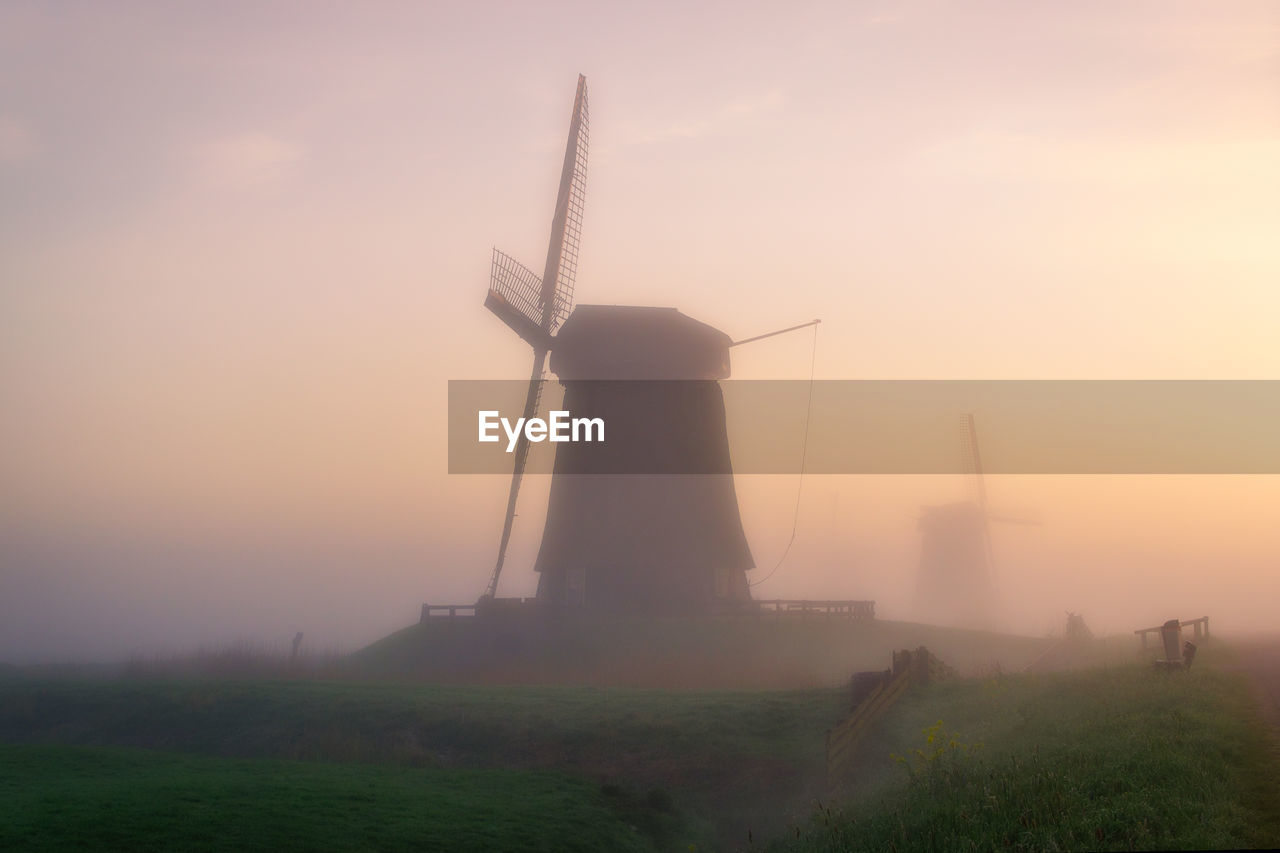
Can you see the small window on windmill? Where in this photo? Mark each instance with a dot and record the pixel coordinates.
(722, 583)
(575, 586)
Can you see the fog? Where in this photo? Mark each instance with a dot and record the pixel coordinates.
(1127, 552)
(242, 255)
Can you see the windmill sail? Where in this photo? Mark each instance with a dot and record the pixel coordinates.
(566, 225)
(515, 295)
(534, 308)
(973, 458)
(973, 465)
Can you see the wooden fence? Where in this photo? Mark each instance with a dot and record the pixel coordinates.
(451, 612)
(781, 608)
(1199, 626)
(873, 695)
(778, 608)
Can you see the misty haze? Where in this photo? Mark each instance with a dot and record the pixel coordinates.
(503, 427)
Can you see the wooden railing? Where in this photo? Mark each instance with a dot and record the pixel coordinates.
(841, 609)
(909, 667)
(447, 611)
(1201, 628)
(779, 608)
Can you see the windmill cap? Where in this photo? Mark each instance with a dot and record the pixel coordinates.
(637, 342)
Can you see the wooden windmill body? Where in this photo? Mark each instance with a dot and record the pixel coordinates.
(647, 521)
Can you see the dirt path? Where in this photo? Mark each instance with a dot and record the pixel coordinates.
(1260, 658)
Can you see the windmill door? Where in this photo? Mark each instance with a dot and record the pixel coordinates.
(722, 583)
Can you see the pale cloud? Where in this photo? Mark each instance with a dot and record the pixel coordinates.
(246, 160)
(1201, 200)
(737, 110)
(997, 155)
(885, 18)
(17, 141)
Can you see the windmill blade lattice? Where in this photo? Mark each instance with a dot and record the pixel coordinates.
(573, 215)
(517, 285)
(566, 225)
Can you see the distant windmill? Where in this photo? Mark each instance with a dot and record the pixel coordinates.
(626, 529)
(956, 580)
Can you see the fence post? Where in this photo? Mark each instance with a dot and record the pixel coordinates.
(830, 771)
(426, 611)
(921, 673)
(1171, 633)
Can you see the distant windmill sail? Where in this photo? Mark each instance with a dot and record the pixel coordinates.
(534, 307)
(969, 430)
(973, 457)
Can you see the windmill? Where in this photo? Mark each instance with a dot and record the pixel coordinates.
(627, 529)
(956, 580)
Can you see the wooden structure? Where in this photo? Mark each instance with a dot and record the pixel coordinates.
(628, 529)
(452, 612)
(1177, 654)
(873, 694)
(662, 542)
(836, 609)
(777, 609)
(1199, 626)
(535, 307)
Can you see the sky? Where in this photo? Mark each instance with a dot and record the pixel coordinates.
(244, 247)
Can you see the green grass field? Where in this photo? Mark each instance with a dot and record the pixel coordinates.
(739, 760)
(1119, 757)
(102, 798)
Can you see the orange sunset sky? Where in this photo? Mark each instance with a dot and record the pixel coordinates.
(244, 248)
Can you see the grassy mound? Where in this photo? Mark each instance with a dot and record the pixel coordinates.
(745, 652)
(1117, 759)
